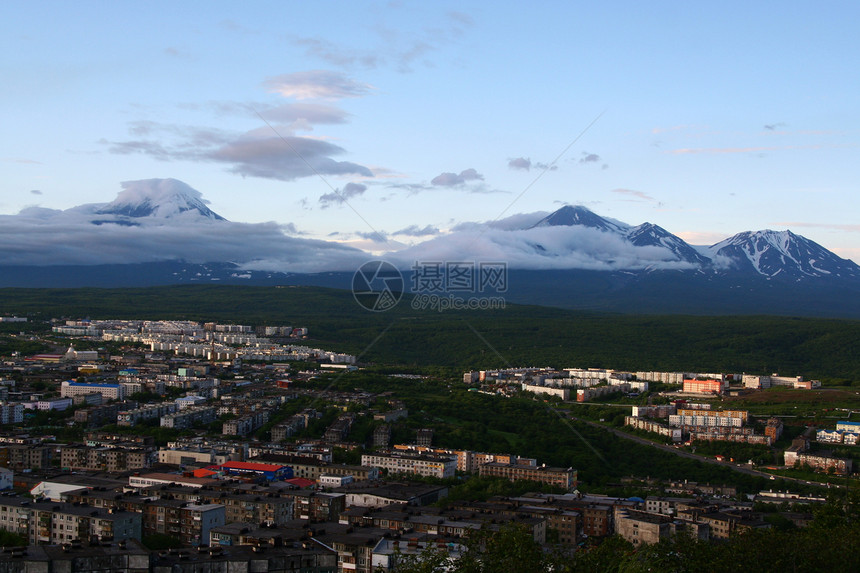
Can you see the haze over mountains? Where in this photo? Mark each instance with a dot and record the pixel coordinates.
(161, 231)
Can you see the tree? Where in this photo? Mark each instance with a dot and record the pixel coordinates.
(158, 541)
(10, 539)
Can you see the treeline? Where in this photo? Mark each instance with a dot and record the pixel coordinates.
(826, 349)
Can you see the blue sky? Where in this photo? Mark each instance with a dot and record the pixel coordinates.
(704, 118)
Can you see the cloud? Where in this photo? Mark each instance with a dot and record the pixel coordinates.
(523, 163)
(316, 84)
(375, 236)
(40, 236)
(257, 153)
(589, 157)
(35, 192)
(393, 48)
(461, 19)
(85, 235)
(306, 113)
(349, 191)
(514, 222)
(337, 55)
(416, 231)
(286, 159)
(412, 188)
(291, 229)
(454, 179)
(176, 52)
(634, 193)
(540, 248)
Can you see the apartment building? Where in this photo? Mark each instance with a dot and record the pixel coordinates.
(55, 523)
(312, 469)
(675, 434)
(695, 386)
(246, 424)
(562, 477)
(441, 466)
(114, 458)
(22, 456)
(189, 522)
(11, 413)
(316, 506)
(97, 415)
(709, 418)
(149, 412)
(187, 418)
(640, 527)
(109, 391)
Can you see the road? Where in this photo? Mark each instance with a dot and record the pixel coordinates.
(685, 454)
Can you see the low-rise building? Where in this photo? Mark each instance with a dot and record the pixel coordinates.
(268, 471)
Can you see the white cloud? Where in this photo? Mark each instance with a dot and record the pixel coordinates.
(316, 84)
(416, 231)
(541, 248)
(455, 179)
(83, 235)
(40, 236)
(341, 196)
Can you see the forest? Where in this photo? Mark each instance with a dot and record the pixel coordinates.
(825, 349)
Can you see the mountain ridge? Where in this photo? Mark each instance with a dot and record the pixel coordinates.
(160, 232)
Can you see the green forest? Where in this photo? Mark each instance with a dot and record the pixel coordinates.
(826, 349)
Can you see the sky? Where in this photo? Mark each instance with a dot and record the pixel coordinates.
(381, 125)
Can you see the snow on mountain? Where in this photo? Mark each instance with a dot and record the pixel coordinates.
(159, 198)
(570, 216)
(166, 220)
(648, 234)
(781, 253)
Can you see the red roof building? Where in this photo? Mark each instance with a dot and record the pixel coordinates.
(269, 471)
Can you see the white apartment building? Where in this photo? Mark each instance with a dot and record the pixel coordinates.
(109, 391)
(422, 464)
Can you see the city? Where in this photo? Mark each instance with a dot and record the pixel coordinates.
(180, 441)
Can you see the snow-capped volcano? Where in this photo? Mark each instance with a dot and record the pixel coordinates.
(160, 231)
(644, 235)
(160, 198)
(577, 215)
(773, 253)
